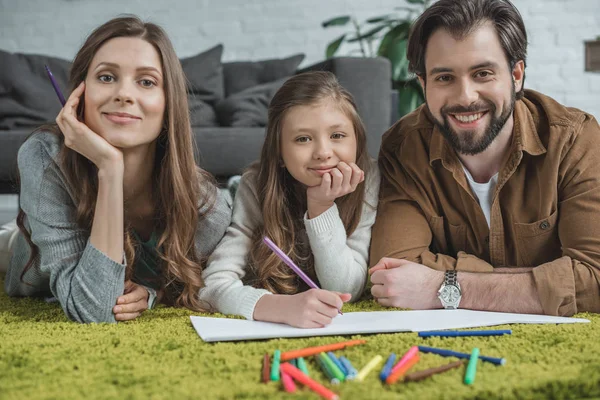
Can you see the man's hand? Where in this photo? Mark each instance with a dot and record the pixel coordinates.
(133, 302)
(405, 284)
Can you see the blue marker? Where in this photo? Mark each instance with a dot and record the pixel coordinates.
(337, 362)
(466, 333)
(450, 353)
(387, 368)
(352, 372)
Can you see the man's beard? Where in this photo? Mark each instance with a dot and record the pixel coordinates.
(467, 143)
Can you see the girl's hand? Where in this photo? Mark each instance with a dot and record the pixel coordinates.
(339, 182)
(133, 302)
(81, 138)
(314, 308)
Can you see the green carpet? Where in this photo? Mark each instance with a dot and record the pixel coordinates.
(45, 356)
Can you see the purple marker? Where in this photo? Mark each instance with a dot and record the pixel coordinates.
(56, 88)
(291, 264)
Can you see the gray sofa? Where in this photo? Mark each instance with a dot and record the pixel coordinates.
(226, 151)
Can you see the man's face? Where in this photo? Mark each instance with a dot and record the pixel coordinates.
(469, 87)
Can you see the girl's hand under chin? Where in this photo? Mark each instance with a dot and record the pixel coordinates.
(339, 182)
(82, 139)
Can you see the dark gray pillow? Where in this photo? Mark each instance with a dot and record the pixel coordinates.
(241, 75)
(204, 72)
(201, 113)
(248, 107)
(27, 98)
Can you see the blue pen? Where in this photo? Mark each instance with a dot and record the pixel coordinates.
(352, 372)
(337, 362)
(387, 368)
(450, 353)
(466, 333)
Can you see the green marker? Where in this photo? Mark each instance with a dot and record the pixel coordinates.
(472, 367)
(332, 366)
(275, 366)
(302, 365)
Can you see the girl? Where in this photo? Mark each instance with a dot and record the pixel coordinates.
(113, 209)
(307, 195)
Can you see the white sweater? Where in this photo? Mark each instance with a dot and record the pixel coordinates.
(340, 261)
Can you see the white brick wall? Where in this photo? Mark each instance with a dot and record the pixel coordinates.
(276, 28)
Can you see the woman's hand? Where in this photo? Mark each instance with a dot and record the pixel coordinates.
(81, 138)
(133, 302)
(339, 182)
(314, 308)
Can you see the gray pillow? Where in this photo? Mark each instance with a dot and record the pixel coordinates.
(201, 113)
(204, 73)
(248, 107)
(27, 98)
(241, 75)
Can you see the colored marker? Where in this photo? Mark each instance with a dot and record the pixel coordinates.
(352, 372)
(311, 351)
(387, 368)
(420, 375)
(472, 367)
(337, 373)
(288, 383)
(399, 372)
(308, 382)
(450, 353)
(407, 356)
(291, 264)
(275, 366)
(466, 333)
(326, 370)
(337, 362)
(61, 98)
(266, 371)
(368, 368)
(301, 365)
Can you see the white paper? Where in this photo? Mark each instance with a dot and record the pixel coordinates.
(353, 323)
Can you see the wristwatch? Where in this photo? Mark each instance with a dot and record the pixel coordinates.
(450, 293)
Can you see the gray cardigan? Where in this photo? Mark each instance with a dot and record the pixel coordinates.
(85, 281)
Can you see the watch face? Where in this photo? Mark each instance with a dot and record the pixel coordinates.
(450, 294)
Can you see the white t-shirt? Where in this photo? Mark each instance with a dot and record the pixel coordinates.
(484, 192)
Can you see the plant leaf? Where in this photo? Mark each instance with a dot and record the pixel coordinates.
(334, 46)
(416, 1)
(397, 55)
(337, 21)
(410, 96)
(398, 32)
(367, 34)
(379, 19)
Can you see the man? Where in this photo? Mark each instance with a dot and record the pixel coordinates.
(490, 196)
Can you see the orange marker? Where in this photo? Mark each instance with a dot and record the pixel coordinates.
(288, 382)
(397, 374)
(311, 351)
(301, 377)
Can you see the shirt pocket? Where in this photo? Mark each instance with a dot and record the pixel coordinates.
(538, 242)
(447, 238)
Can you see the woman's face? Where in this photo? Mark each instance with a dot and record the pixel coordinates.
(124, 93)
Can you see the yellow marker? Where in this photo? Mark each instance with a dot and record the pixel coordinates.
(368, 368)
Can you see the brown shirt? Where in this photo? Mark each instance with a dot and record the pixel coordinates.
(545, 211)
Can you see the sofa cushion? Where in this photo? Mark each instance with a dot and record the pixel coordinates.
(27, 98)
(202, 114)
(248, 107)
(204, 73)
(242, 75)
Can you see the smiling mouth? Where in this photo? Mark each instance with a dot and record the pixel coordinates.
(469, 118)
(121, 118)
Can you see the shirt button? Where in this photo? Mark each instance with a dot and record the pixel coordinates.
(544, 225)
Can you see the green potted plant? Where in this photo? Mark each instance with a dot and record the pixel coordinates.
(390, 32)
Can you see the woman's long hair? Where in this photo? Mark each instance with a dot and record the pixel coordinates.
(180, 189)
(283, 199)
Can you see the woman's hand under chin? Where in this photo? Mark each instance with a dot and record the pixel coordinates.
(78, 137)
(342, 180)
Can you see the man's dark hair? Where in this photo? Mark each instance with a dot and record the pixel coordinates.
(462, 17)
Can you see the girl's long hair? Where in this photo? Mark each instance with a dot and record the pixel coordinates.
(283, 199)
(180, 188)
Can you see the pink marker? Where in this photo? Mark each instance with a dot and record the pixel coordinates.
(288, 382)
(291, 264)
(405, 358)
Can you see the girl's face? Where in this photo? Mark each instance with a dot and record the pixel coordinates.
(124, 93)
(314, 139)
